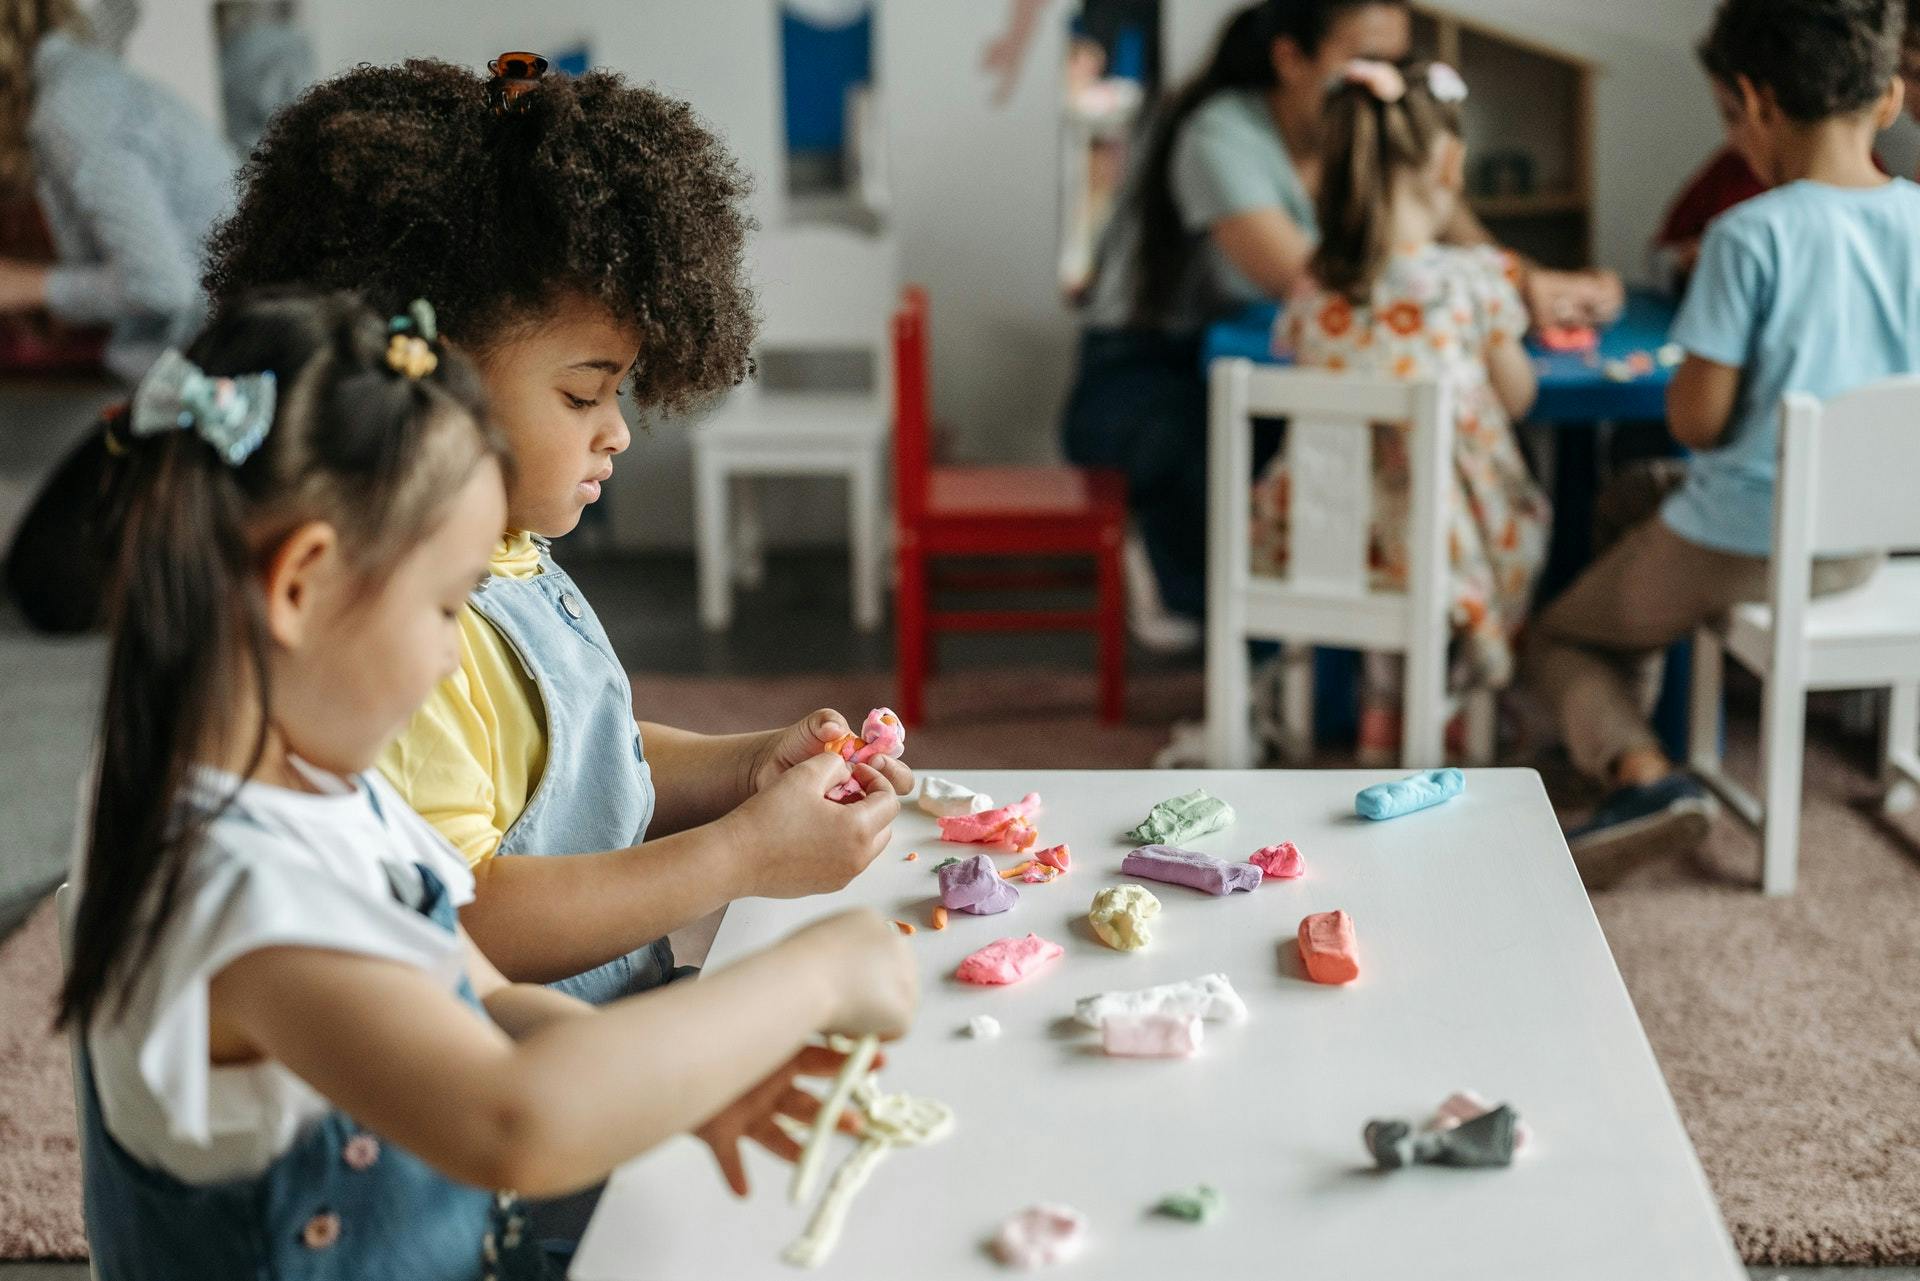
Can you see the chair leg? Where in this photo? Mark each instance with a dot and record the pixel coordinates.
(749, 537)
(863, 539)
(1113, 635)
(911, 639)
(1483, 727)
(711, 550)
(1229, 683)
(1704, 702)
(1902, 749)
(1782, 746)
(1296, 704)
(1423, 723)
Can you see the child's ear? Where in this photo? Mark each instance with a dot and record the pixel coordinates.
(296, 579)
(1887, 110)
(1757, 104)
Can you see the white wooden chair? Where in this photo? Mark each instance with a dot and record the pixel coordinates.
(1325, 598)
(823, 289)
(1839, 491)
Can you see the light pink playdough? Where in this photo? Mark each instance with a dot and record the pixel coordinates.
(1280, 862)
(991, 827)
(1040, 1235)
(1151, 1036)
(1007, 960)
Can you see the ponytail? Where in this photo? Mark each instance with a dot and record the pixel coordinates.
(1370, 144)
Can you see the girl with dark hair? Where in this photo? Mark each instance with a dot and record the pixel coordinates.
(1220, 214)
(295, 1061)
(1389, 301)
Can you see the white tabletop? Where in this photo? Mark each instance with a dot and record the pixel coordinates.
(1482, 967)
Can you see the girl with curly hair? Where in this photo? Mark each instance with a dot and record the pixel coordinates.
(574, 234)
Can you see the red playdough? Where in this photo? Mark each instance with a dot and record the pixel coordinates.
(1327, 948)
(1007, 960)
(1280, 862)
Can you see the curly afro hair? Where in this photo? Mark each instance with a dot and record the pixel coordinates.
(402, 183)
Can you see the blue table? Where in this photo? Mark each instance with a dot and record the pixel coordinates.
(1573, 388)
(1577, 400)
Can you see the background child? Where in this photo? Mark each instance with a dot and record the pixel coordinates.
(588, 234)
(1388, 301)
(296, 1062)
(1810, 287)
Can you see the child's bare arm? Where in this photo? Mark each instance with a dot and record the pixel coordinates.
(544, 917)
(1700, 401)
(1511, 373)
(560, 1108)
(1268, 248)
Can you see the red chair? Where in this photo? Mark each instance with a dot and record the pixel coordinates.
(985, 512)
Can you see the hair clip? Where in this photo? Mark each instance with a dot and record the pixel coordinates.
(410, 349)
(1445, 84)
(1381, 79)
(231, 414)
(514, 75)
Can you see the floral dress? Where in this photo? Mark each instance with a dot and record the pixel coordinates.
(1434, 312)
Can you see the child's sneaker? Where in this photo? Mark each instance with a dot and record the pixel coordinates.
(1148, 620)
(1639, 824)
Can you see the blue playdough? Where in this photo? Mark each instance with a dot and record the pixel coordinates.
(1415, 792)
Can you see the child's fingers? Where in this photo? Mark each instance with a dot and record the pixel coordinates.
(775, 1140)
(732, 1169)
(895, 771)
(826, 725)
(820, 771)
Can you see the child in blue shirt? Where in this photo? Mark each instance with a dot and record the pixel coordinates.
(1810, 287)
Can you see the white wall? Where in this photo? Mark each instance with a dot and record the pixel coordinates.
(173, 43)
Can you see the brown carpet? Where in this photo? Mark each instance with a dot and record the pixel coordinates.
(1789, 1030)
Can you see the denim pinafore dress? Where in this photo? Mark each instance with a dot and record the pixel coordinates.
(339, 1205)
(596, 791)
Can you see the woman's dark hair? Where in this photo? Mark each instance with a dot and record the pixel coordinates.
(1242, 59)
(353, 442)
(1821, 58)
(403, 182)
(1367, 146)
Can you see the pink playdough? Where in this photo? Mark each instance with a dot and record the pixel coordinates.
(1280, 862)
(1007, 960)
(1327, 948)
(1040, 1235)
(1053, 856)
(1009, 826)
(1151, 1036)
(881, 734)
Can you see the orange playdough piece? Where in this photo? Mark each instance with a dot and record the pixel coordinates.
(905, 927)
(940, 917)
(1327, 948)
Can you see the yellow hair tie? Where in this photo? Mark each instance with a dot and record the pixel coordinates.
(410, 355)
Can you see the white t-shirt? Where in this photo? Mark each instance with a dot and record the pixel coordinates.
(279, 868)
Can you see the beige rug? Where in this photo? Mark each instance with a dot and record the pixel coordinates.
(1789, 1030)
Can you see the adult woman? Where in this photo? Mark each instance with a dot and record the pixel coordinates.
(129, 179)
(1218, 214)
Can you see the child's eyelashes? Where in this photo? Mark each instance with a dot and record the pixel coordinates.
(580, 402)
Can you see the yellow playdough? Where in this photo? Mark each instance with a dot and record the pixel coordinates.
(1120, 915)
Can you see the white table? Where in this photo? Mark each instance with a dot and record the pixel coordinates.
(1481, 967)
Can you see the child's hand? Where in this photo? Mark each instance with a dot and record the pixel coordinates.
(751, 1116)
(781, 749)
(797, 842)
(876, 983)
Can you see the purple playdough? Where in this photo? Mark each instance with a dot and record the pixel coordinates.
(974, 885)
(1186, 867)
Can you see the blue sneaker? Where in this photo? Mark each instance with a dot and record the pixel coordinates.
(1636, 825)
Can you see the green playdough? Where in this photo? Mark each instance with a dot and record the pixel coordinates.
(943, 862)
(1176, 821)
(1202, 1205)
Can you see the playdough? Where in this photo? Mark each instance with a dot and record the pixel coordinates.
(1200, 1205)
(807, 1168)
(1210, 996)
(1486, 1140)
(1040, 1235)
(1182, 819)
(1280, 862)
(1327, 948)
(1415, 792)
(1120, 915)
(1464, 1105)
(974, 885)
(1151, 1036)
(944, 798)
(983, 1027)
(1010, 826)
(1007, 960)
(1187, 867)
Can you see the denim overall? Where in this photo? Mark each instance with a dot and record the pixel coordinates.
(596, 791)
(339, 1203)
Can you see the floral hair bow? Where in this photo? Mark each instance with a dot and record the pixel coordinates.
(1445, 84)
(410, 350)
(1381, 79)
(231, 414)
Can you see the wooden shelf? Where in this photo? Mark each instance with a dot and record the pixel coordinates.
(1533, 205)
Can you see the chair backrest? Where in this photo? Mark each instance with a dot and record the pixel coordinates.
(912, 407)
(824, 288)
(1828, 498)
(1329, 447)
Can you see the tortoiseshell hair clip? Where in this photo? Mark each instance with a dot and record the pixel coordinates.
(515, 73)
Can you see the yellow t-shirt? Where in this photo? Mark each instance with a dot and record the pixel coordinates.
(473, 753)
